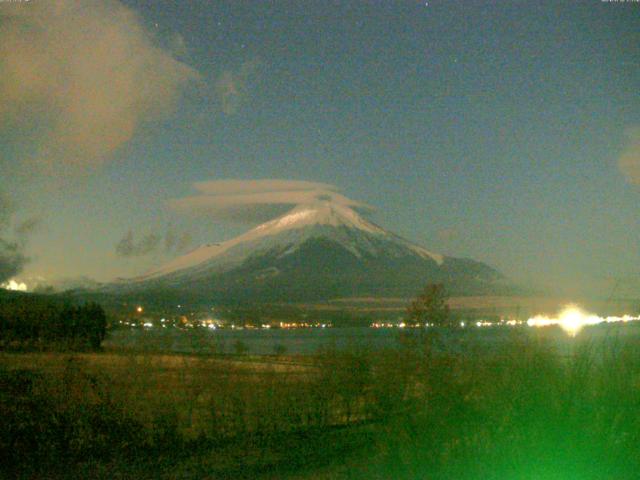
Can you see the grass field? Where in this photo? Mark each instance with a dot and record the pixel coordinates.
(516, 411)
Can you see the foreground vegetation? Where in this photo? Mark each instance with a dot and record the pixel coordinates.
(519, 411)
(44, 322)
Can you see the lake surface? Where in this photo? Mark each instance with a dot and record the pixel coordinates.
(309, 341)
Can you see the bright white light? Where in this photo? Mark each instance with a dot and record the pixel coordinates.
(484, 323)
(13, 285)
(572, 319)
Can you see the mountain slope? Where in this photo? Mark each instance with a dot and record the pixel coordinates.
(314, 252)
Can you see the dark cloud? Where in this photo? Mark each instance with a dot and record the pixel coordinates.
(27, 227)
(12, 256)
(12, 260)
(255, 201)
(128, 247)
(6, 211)
(174, 242)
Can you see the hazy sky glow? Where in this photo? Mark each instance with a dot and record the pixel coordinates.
(507, 132)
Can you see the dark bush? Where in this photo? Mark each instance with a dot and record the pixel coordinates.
(50, 421)
(28, 322)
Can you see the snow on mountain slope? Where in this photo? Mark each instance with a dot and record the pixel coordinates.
(321, 219)
(315, 252)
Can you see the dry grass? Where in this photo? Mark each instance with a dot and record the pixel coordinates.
(517, 411)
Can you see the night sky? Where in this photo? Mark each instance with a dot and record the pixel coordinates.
(508, 132)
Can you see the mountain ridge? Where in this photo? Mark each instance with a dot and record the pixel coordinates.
(315, 251)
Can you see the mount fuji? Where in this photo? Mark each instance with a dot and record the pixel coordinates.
(317, 251)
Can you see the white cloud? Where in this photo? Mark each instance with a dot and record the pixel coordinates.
(235, 187)
(79, 77)
(250, 201)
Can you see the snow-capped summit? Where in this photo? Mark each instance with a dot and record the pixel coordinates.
(322, 212)
(316, 250)
(286, 229)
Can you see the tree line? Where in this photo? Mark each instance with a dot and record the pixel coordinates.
(30, 321)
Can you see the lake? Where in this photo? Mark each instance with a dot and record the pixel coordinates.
(311, 340)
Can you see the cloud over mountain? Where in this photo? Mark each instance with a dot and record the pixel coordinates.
(253, 201)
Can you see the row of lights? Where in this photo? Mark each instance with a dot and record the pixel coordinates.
(480, 323)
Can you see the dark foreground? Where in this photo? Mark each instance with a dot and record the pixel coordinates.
(517, 409)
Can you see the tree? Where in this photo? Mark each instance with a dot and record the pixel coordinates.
(96, 328)
(430, 307)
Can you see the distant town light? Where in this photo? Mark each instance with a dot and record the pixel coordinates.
(572, 319)
(139, 309)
